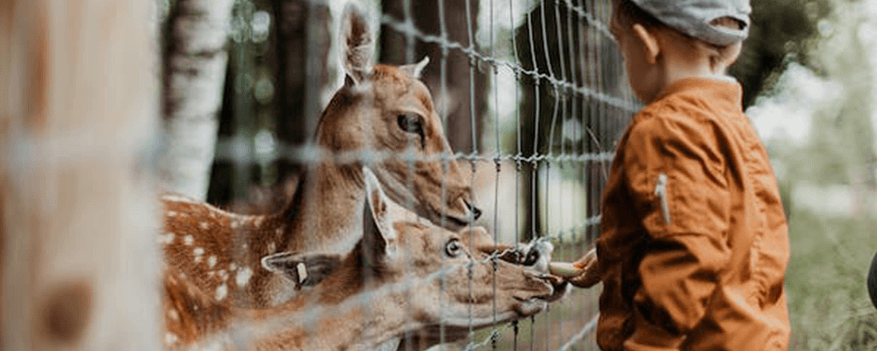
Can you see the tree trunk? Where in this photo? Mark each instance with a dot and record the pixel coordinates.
(79, 219)
(302, 35)
(298, 49)
(459, 73)
(195, 60)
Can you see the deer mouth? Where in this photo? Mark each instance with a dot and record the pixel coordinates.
(457, 222)
(472, 214)
(559, 287)
(531, 305)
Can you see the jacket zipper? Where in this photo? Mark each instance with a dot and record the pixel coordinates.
(661, 193)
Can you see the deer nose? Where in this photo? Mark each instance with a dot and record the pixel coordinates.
(476, 212)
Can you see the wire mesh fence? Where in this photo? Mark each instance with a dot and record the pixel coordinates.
(541, 139)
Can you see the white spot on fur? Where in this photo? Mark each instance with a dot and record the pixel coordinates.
(232, 266)
(271, 247)
(211, 274)
(279, 231)
(171, 213)
(223, 274)
(198, 251)
(166, 238)
(172, 313)
(188, 240)
(243, 277)
(258, 221)
(170, 338)
(211, 261)
(204, 225)
(235, 224)
(245, 246)
(221, 291)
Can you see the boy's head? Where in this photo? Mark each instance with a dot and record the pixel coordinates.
(666, 40)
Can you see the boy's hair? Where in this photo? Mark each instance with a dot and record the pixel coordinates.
(627, 14)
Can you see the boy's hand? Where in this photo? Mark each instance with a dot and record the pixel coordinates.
(582, 273)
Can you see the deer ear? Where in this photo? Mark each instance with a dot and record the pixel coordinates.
(303, 269)
(416, 68)
(378, 233)
(357, 44)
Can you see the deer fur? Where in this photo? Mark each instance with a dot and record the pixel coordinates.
(404, 275)
(380, 108)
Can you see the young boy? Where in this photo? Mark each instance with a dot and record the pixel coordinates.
(694, 242)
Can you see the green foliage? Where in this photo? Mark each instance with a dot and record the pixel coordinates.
(829, 306)
(782, 31)
(828, 301)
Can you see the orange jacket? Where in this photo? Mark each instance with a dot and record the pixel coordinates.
(694, 242)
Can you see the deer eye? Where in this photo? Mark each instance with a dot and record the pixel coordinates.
(453, 248)
(410, 123)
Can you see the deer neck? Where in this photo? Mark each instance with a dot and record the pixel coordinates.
(328, 210)
(339, 307)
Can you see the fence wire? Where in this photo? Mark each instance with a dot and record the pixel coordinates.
(570, 105)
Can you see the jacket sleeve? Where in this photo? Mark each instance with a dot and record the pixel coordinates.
(676, 174)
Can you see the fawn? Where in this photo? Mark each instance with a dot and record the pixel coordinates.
(380, 108)
(404, 274)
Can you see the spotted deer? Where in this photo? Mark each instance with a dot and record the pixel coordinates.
(405, 274)
(380, 108)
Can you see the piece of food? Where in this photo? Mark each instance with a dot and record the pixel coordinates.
(564, 269)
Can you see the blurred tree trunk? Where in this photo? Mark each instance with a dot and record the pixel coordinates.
(194, 63)
(458, 101)
(302, 34)
(80, 264)
(298, 48)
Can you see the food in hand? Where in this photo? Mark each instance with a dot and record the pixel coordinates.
(564, 269)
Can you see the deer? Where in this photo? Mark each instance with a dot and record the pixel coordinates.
(405, 274)
(380, 108)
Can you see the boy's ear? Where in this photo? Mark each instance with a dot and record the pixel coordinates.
(649, 42)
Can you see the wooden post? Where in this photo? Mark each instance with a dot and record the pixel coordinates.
(78, 217)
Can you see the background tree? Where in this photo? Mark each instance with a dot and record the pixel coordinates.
(194, 62)
(782, 31)
(302, 49)
(278, 72)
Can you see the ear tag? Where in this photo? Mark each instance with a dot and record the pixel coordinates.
(302, 272)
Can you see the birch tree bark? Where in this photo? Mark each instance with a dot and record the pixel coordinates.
(78, 223)
(195, 61)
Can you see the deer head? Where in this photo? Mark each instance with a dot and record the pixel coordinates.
(414, 275)
(388, 110)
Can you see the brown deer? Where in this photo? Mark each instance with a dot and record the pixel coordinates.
(380, 108)
(404, 275)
